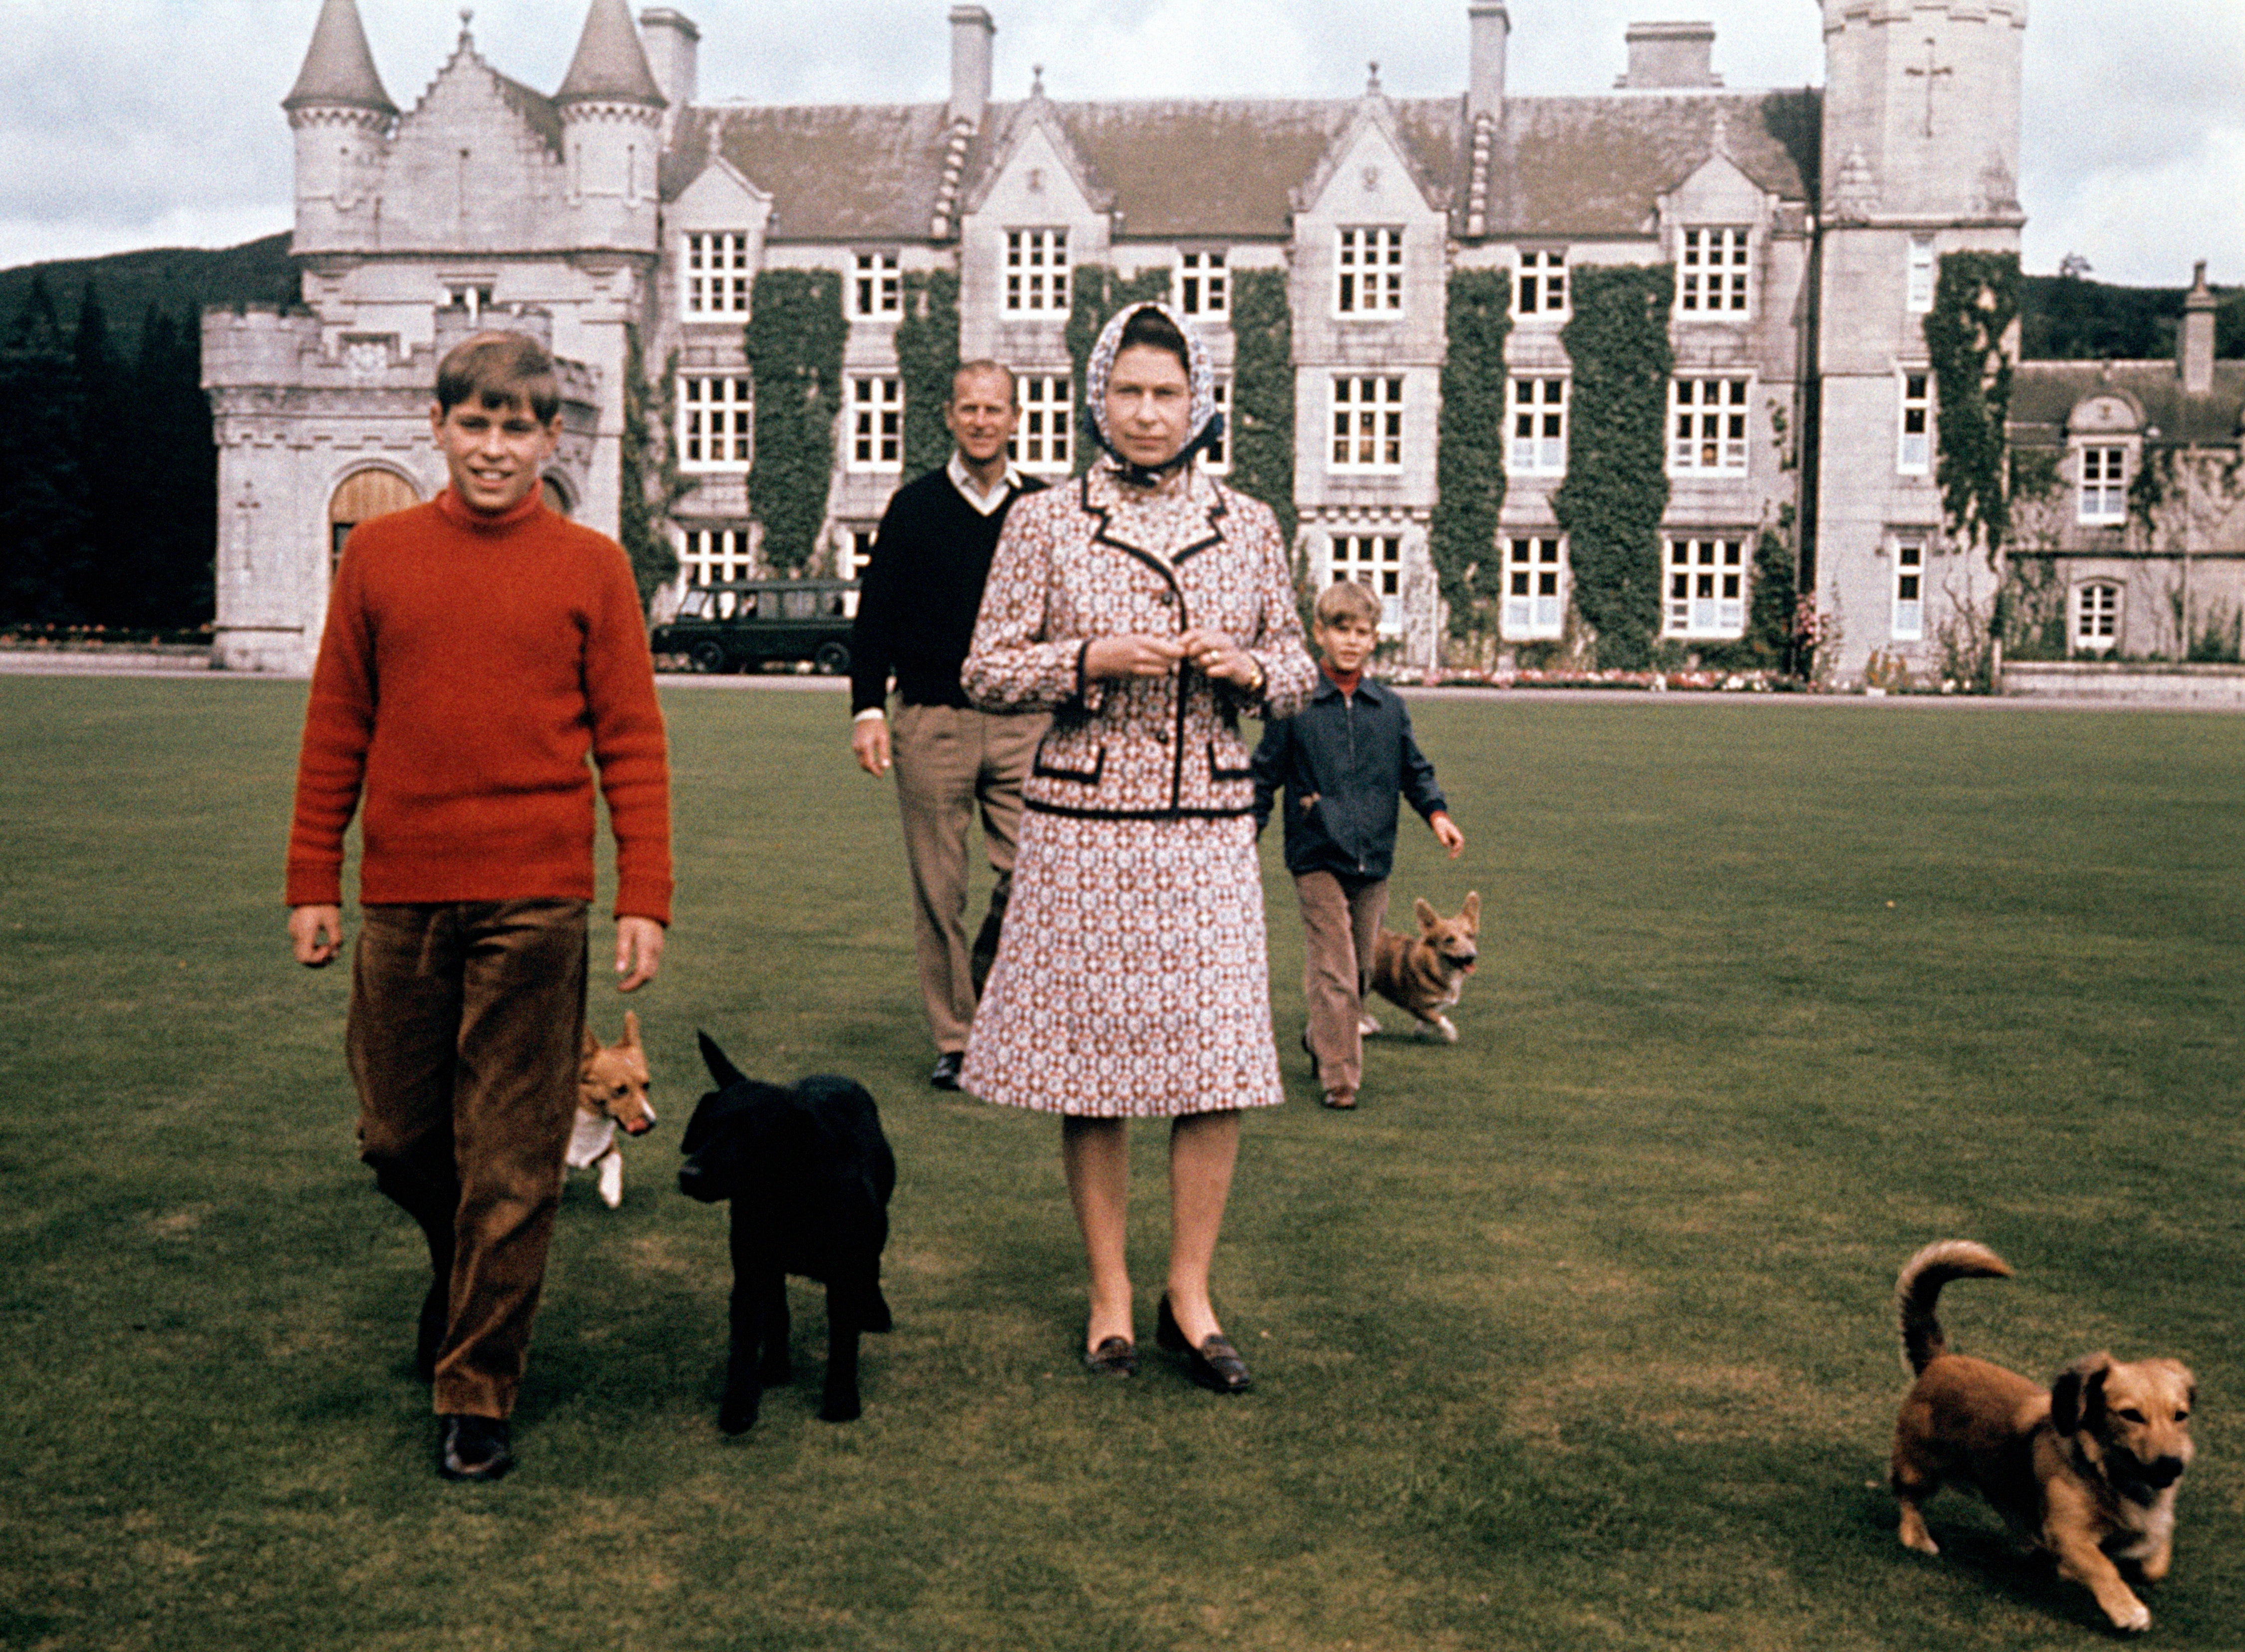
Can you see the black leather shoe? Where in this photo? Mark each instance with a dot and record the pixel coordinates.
(1114, 1356)
(945, 1076)
(1215, 1364)
(475, 1448)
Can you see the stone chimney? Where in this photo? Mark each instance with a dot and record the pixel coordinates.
(674, 50)
(1492, 32)
(2197, 346)
(1670, 57)
(971, 34)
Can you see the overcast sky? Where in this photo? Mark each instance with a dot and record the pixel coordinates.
(126, 124)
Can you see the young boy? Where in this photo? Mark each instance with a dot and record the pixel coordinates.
(478, 648)
(1343, 762)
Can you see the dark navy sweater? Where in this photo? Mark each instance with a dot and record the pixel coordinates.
(1344, 762)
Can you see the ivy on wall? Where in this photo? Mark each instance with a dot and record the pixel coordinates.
(1262, 413)
(1975, 304)
(650, 482)
(1616, 485)
(1470, 456)
(927, 360)
(1097, 293)
(794, 346)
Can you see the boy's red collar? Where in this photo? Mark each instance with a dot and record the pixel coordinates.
(1345, 681)
(456, 510)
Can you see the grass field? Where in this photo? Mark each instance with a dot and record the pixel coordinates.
(1576, 1337)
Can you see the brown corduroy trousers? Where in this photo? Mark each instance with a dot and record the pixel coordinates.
(1339, 922)
(464, 1027)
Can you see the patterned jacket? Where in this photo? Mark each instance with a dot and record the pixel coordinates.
(1067, 573)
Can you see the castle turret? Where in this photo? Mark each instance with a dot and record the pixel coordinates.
(342, 119)
(611, 123)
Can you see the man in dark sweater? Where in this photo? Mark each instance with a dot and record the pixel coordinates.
(915, 619)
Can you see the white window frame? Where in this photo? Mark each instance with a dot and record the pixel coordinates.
(851, 556)
(1710, 424)
(715, 556)
(1919, 275)
(1714, 272)
(1907, 623)
(471, 295)
(1703, 585)
(1535, 424)
(876, 287)
(1367, 424)
(2093, 626)
(1036, 272)
(1216, 458)
(1203, 283)
(1539, 284)
(1913, 440)
(1368, 272)
(714, 276)
(1535, 587)
(1043, 443)
(716, 422)
(1375, 561)
(2101, 492)
(877, 423)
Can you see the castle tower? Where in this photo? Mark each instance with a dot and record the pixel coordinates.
(341, 118)
(611, 133)
(1921, 158)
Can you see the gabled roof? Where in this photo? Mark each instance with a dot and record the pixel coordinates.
(338, 66)
(2043, 393)
(610, 65)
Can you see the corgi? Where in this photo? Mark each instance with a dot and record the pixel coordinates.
(1425, 974)
(611, 1086)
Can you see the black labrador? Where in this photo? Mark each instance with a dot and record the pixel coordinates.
(809, 1173)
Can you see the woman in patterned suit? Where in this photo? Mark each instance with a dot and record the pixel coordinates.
(1146, 606)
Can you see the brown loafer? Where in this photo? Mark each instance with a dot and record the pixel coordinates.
(1340, 1100)
(1114, 1356)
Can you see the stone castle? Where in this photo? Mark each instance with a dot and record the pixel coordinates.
(1805, 227)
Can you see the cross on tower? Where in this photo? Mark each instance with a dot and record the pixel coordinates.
(1929, 74)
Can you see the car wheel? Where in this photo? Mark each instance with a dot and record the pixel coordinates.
(707, 657)
(832, 658)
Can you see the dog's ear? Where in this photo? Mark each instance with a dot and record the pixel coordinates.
(1471, 910)
(722, 1071)
(591, 1046)
(2076, 1399)
(630, 1040)
(1428, 917)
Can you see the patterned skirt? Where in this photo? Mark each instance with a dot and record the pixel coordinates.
(1133, 979)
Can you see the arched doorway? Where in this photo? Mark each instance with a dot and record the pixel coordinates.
(363, 495)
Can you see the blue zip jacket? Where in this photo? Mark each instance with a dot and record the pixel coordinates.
(1344, 762)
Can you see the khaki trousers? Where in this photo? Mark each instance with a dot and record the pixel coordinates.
(1339, 925)
(949, 760)
(466, 1021)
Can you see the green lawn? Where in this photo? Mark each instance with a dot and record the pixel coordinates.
(1576, 1337)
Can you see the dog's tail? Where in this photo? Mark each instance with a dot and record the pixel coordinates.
(1917, 1288)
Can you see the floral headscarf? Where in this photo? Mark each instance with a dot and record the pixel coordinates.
(1207, 422)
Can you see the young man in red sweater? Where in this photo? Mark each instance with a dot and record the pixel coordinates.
(478, 648)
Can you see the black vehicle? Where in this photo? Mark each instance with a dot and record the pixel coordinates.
(741, 625)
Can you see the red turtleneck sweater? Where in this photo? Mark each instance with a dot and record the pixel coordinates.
(469, 666)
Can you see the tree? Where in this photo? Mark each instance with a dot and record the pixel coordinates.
(45, 554)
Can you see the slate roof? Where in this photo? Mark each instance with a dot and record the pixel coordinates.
(338, 66)
(1227, 168)
(611, 64)
(2043, 393)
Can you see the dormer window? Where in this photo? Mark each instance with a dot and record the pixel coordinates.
(716, 276)
(1203, 285)
(1368, 272)
(1713, 278)
(876, 289)
(1540, 287)
(2104, 490)
(1037, 272)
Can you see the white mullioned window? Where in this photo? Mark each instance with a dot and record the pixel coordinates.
(1368, 272)
(1539, 288)
(1708, 427)
(2096, 617)
(1917, 283)
(877, 424)
(1533, 606)
(715, 556)
(1539, 427)
(876, 287)
(1216, 456)
(1914, 456)
(2104, 485)
(1375, 561)
(717, 275)
(716, 422)
(1204, 286)
(1043, 438)
(1908, 590)
(1706, 588)
(1714, 276)
(1367, 424)
(1037, 272)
